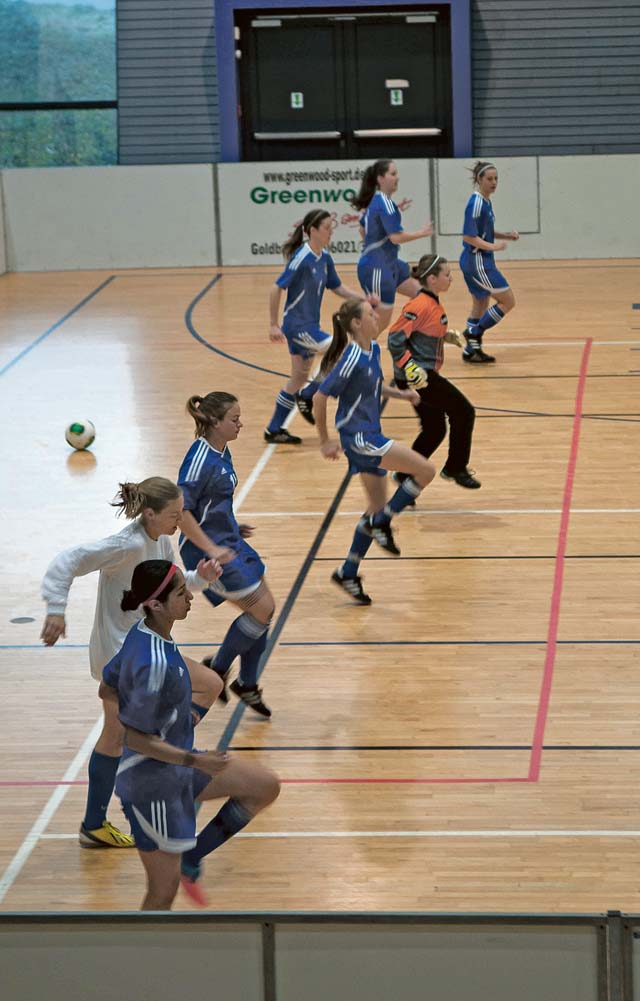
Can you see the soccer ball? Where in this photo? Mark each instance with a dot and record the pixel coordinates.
(80, 434)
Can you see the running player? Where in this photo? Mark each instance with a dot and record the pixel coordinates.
(154, 507)
(416, 342)
(161, 777)
(353, 374)
(208, 480)
(478, 263)
(310, 269)
(380, 270)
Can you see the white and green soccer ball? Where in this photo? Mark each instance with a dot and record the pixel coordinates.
(80, 434)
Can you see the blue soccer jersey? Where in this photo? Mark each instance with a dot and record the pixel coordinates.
(380, 220)
(208, 481)
(478, 221)
(356, 381)
(154, 696)
(305, 279)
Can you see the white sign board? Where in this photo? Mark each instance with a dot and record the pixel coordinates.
(262, 203)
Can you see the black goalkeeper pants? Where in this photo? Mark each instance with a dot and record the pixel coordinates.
(441, 401)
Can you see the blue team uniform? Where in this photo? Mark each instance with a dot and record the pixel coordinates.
(356, 381)
(380, 270)
(154, 696)
(305, 279)
(208, 481)
(478, 266)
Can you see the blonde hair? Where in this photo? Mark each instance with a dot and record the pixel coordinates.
(156, 492)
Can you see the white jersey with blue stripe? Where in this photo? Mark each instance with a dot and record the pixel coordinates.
(479, 221)
(208, 481)
(356, 381)
(305, 279)
(381, 219)
(154, 696)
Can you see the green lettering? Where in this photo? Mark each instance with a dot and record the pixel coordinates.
(259, 195)
(285, 196)
(299, 196)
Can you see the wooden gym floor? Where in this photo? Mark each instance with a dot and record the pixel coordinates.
(468, 743)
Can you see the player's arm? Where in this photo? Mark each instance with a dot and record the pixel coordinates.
(419, 234)
(511, 235)
(275, 333)
(194, 533)
(393, 393)
(106, 554)
(330, 449)
(152, 746)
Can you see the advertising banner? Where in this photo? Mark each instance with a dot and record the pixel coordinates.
(262, 203)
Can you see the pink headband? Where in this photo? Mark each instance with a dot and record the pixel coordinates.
(160, 589)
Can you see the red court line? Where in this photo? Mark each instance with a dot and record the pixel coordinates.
(554, 615)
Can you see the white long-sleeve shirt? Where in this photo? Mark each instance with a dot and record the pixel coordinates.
(116, 558)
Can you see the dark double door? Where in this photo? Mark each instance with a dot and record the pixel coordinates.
(331, 86)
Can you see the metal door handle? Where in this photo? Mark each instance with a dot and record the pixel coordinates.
(296, 135)
(394, 133)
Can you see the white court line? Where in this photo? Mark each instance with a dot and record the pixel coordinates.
(416, 834)
(54, 801)
(37, 831)
(455, 511)
(554, 344)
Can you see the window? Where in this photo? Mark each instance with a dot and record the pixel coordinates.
(58, 90)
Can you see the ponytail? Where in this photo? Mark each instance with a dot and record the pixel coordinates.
(208, 410)
(369, 183)
(155, 492)
(311, 221)
(151, 579)
(342, 321)
(479, 168)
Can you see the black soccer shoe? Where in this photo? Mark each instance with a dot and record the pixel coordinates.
(251, 697)
(478, 357)
(305, 407)
(353, 587)
(281, 437)
(464, 478)
(381, 534)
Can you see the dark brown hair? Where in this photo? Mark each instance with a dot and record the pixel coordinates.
(147, 576)
(311, 221)
(369, 183)
(342, 320)
(208, 410)
(479, 168)
(429, 264)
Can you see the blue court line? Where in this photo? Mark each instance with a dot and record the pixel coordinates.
(55, 326)
(274, 635)
(223, 354)
(635, 305)
(435, 747)
(74, 646)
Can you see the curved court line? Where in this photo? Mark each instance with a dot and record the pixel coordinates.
(223, 354)
(58, 323)
(556, 597)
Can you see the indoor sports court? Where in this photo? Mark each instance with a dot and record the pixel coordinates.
(467, 744)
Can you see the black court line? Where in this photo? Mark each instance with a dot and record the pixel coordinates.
(485, 378)
(274, 635)
(515, 414)
(433, 747)
(223, 354)
(540, 642)
(58, 323)
(401, 559)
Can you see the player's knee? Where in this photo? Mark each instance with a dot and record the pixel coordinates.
(267, 788)
(425, 474)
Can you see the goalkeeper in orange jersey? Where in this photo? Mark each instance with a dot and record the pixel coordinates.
(416, 342)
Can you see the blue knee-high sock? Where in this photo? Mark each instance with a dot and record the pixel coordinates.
(405, 495)
(102, 778)
(488, 320)
(241, 635)
(359, 549)
(250, 661)
(230, 819)
(284, 405)
(310, 389)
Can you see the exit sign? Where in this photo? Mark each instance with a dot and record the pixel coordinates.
(297, 99)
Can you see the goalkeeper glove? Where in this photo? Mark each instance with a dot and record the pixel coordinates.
(415, 375)
(454, 337)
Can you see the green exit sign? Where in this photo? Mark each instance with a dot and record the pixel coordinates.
(396, 97)
(297, 99)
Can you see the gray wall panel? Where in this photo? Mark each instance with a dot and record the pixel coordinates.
(548, 78)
